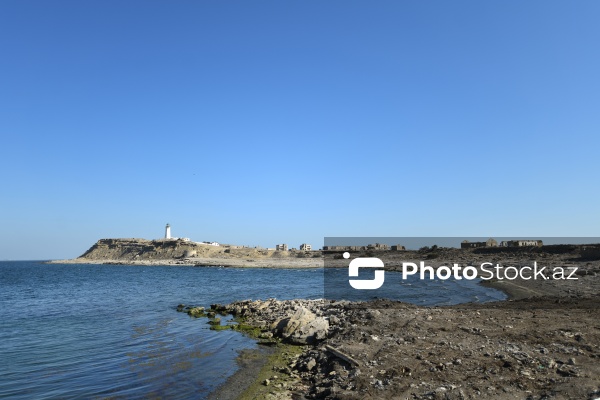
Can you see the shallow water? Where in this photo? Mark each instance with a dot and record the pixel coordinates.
(96, 331)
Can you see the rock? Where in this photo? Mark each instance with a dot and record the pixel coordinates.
(301, 317)
(196, 312)
(316, 330)
(303, 327)
(311, 364)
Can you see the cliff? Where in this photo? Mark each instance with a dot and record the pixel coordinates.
(142, 249)
(172, 249)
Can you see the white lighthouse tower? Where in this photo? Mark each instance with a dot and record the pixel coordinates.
(168, 231)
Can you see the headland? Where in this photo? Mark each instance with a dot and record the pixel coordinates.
(185, 252)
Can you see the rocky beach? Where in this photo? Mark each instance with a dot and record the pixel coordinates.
(543, 343)
(540, 348)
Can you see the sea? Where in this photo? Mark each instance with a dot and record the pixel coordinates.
(70, 331)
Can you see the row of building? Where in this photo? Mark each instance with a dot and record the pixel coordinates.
(465, 244)
(374, 246)
(284, 247)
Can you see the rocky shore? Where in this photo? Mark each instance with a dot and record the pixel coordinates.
(542, 348)
(543, 343)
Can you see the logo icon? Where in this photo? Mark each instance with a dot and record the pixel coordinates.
(365, 262)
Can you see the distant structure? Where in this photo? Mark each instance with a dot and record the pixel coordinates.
(281, 247)
(398, 247)
(505, 243)
(521, 243)
(344, 248)
(168, 231)
(305, 247)
(465, 244)
(378, 246)
(372, 246)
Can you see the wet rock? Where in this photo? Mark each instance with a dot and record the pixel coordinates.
(196, 312)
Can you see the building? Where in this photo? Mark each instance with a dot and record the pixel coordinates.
(528, 243)
(344, 248)
(521, 243)
(398, 247)
(378, 246)
(168, 231)
(465, 244)
(281, 247)
(305, 247)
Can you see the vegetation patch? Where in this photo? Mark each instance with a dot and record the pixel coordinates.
(274, 376)
(220, 327)
(249, 330)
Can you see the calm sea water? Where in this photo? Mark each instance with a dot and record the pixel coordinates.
(97, 331)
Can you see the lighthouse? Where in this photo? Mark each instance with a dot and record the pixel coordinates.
(168, 231)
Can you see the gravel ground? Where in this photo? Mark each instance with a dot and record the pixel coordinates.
(543, 343)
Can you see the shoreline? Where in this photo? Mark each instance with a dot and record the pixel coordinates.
(204, 262)
(543, 347)
(542, 341)
(512, 290)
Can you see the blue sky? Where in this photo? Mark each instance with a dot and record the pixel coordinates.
(271, 122)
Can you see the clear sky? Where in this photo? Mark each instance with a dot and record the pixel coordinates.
(264, 122)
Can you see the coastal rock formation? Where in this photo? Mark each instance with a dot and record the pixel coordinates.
(139, 249)
(292, 321)
(182, 251)
(532, 348)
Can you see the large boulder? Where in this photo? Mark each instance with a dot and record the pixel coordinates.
(303, 327)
